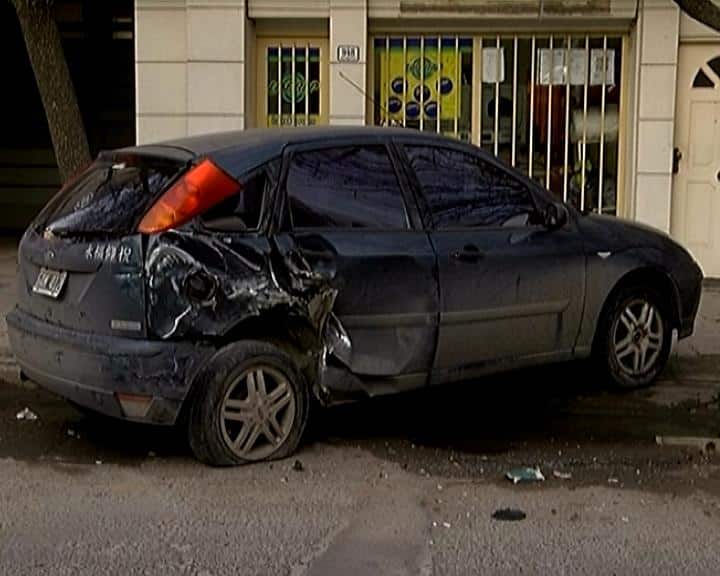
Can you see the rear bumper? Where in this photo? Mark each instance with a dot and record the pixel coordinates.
(92, 370)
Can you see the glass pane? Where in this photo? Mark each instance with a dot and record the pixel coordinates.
(578, 73)
(272, 85)
(287, 87)
(540, 117)
(300, 85)
(557, 114)
(522, 121)
(345, 188)
(314, 85)
(463, 191)
(612, 107)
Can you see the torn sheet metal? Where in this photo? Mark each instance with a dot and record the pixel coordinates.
(201, 286)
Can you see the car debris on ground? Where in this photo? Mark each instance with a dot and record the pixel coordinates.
(525, 474)
(562, 475)
(26, 414)
(509, 515)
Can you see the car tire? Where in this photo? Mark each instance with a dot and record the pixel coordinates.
(249, 403)
(635, 337)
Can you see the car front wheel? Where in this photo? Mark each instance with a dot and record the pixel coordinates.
(636, 338)
(250, 404)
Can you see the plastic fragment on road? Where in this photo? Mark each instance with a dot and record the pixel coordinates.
(509, 515)
(526, 474)
(26, 414)
(562, 475)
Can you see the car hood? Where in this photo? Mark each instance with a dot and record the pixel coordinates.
(609, 233)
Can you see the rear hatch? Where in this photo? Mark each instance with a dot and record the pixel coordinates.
(81, 260)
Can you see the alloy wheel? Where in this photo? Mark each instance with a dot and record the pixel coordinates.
(638, 337)
(257, 412)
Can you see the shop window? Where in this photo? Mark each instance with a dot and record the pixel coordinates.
(293, 85)
(425, 83)
(550, 107)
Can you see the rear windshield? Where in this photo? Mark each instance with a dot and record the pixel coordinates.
(109, 198)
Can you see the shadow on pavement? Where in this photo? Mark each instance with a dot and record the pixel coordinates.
(536, 412)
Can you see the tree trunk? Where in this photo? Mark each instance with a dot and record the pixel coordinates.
(47, 58)
(704, 11)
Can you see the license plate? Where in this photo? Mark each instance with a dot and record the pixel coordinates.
(50, 282)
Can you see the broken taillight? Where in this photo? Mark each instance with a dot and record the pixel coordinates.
(201, 188)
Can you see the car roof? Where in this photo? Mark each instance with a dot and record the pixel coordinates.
(240, 151)
(208, 144)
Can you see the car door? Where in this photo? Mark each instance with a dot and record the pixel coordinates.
(510, 289)
(346, 209)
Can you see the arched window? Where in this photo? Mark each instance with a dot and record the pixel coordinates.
(702, 80)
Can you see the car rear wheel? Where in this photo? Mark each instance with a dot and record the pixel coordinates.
(636, 338)
(250, 404)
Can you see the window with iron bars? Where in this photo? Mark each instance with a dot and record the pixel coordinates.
(547, 104)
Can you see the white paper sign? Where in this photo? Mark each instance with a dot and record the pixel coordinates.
(578, 67)
(596, 67)
(551, 66)
(493, 69)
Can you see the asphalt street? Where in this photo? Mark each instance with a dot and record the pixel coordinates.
(397, 485)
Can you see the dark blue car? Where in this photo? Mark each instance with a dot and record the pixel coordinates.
(224, 281)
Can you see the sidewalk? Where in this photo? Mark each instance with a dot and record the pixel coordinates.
(687, 353)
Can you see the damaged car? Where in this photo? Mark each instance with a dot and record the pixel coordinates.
(230, 281)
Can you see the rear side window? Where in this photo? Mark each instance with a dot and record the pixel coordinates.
(109, 197)
(463, 191)
(347, 187)
(243, 211)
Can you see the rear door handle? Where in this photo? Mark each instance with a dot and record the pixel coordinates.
(469, 253)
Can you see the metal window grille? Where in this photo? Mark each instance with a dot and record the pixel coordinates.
(293, 85)
(424, 82)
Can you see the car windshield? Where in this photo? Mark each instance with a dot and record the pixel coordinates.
(108, 198)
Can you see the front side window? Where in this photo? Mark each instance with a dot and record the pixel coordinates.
(463, 191)
(347, 187)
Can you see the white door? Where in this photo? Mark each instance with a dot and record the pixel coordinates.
(696, 185)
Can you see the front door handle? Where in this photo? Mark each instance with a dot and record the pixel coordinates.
(468, 253)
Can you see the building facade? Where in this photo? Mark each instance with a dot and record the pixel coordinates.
(614, 105)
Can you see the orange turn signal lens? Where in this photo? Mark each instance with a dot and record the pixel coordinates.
(201, 188)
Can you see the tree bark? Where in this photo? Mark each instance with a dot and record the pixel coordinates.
(704, 11)
(52, 76)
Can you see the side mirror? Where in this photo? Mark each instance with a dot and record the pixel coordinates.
(555, 215)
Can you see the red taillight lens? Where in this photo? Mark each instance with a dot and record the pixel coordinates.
(201, 188)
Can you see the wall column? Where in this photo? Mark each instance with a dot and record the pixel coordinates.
(658, 38)
(190, 67)
(348, 80)
(160, 70)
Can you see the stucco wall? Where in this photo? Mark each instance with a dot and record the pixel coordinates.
(190, 66)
